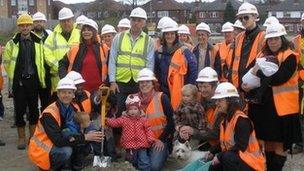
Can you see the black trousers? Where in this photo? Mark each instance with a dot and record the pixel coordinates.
(45, 97)
(25, 92)
(230, 161)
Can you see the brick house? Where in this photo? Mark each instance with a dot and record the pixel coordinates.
(11, 8)
(157, 9)
(212, 13)
(289, 14)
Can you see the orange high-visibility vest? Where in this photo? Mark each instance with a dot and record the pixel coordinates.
(155, 114)
(253, 155)
(286, 96)
(40, 145)
(297, 41)
(86, 105)
(177, 70)
(211, 115)
(223, 52)
(256, 48)
(103, 50)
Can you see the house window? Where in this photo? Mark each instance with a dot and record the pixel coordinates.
(269, 13)
(201, 14)
(161, 14)
(160, 1)
(289, 27)
(2, 3)
(49, 2)
(151, 14)
(280, 14)
(22, 6)
(13, 2)
(214, 15)
(31, 2)
(295, 14)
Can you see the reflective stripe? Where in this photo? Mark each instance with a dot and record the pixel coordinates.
(141, 56)
(175, 66)
(283, 89)
(41, 144)
(138, 67)
(234, 72)
(157, 113)
(157, 127)
(237, 58)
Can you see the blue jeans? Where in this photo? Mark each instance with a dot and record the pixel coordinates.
(139, 158)
(158, 159)
(60, 156)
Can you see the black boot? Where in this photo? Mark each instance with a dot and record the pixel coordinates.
(278, 162)
(269, 157)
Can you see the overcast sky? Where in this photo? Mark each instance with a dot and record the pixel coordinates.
(77, 1)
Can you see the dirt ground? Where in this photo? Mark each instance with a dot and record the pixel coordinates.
(12, 159)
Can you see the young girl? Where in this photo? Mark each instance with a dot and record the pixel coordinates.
(137, 136)
(190, 112)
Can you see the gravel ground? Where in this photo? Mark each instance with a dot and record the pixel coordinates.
(12, 159)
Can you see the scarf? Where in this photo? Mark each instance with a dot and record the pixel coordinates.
(145, 99)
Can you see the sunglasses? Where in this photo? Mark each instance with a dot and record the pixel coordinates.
(245, 18)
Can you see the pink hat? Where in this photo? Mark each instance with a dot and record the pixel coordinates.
(133, 100)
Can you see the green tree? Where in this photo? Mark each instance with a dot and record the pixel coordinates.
(229, 14)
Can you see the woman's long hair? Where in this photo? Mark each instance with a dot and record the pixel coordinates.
(95, 36)
(234, 104)
(286, 44)
(175, 41)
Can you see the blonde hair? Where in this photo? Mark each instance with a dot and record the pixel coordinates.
(192, 89)
(80, 117)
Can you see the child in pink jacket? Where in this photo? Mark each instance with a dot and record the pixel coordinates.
(137, 136)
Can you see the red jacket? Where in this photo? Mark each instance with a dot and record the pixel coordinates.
(135, 132)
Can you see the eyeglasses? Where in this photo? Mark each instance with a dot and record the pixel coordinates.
(246, 18)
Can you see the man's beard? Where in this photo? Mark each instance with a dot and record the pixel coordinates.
(38, 29)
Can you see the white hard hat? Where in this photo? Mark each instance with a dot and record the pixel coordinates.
(270, 20)
(65, 13)
(227, 27)
(207, 74)
(66, 83)
(76, 77)
(183, 29)
(169, 26)
(38, 16)
(224, 90)
(145, 75)
(162, 21)
(247, 8)
(81, 19)
(124, 23)
(203, 27)
(302, 18)
(138, 13)
(91, 23)
(275, 30)
(239, 24)
(108, 29)
(251, 81)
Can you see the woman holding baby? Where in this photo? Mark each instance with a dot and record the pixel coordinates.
(275, 117)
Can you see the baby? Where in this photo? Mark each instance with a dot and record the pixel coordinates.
(190, 112)
(81, 123)
(137, 136)
(268, 65)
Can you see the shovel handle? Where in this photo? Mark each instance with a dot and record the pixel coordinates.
(104, 96)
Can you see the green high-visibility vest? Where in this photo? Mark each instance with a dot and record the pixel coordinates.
(10, 58)
(131, 60)
(55, 47)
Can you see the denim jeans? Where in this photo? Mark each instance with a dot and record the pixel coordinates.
(60, 156)
(139, 158)
(158, 159)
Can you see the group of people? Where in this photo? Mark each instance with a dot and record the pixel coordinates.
(238, 99)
